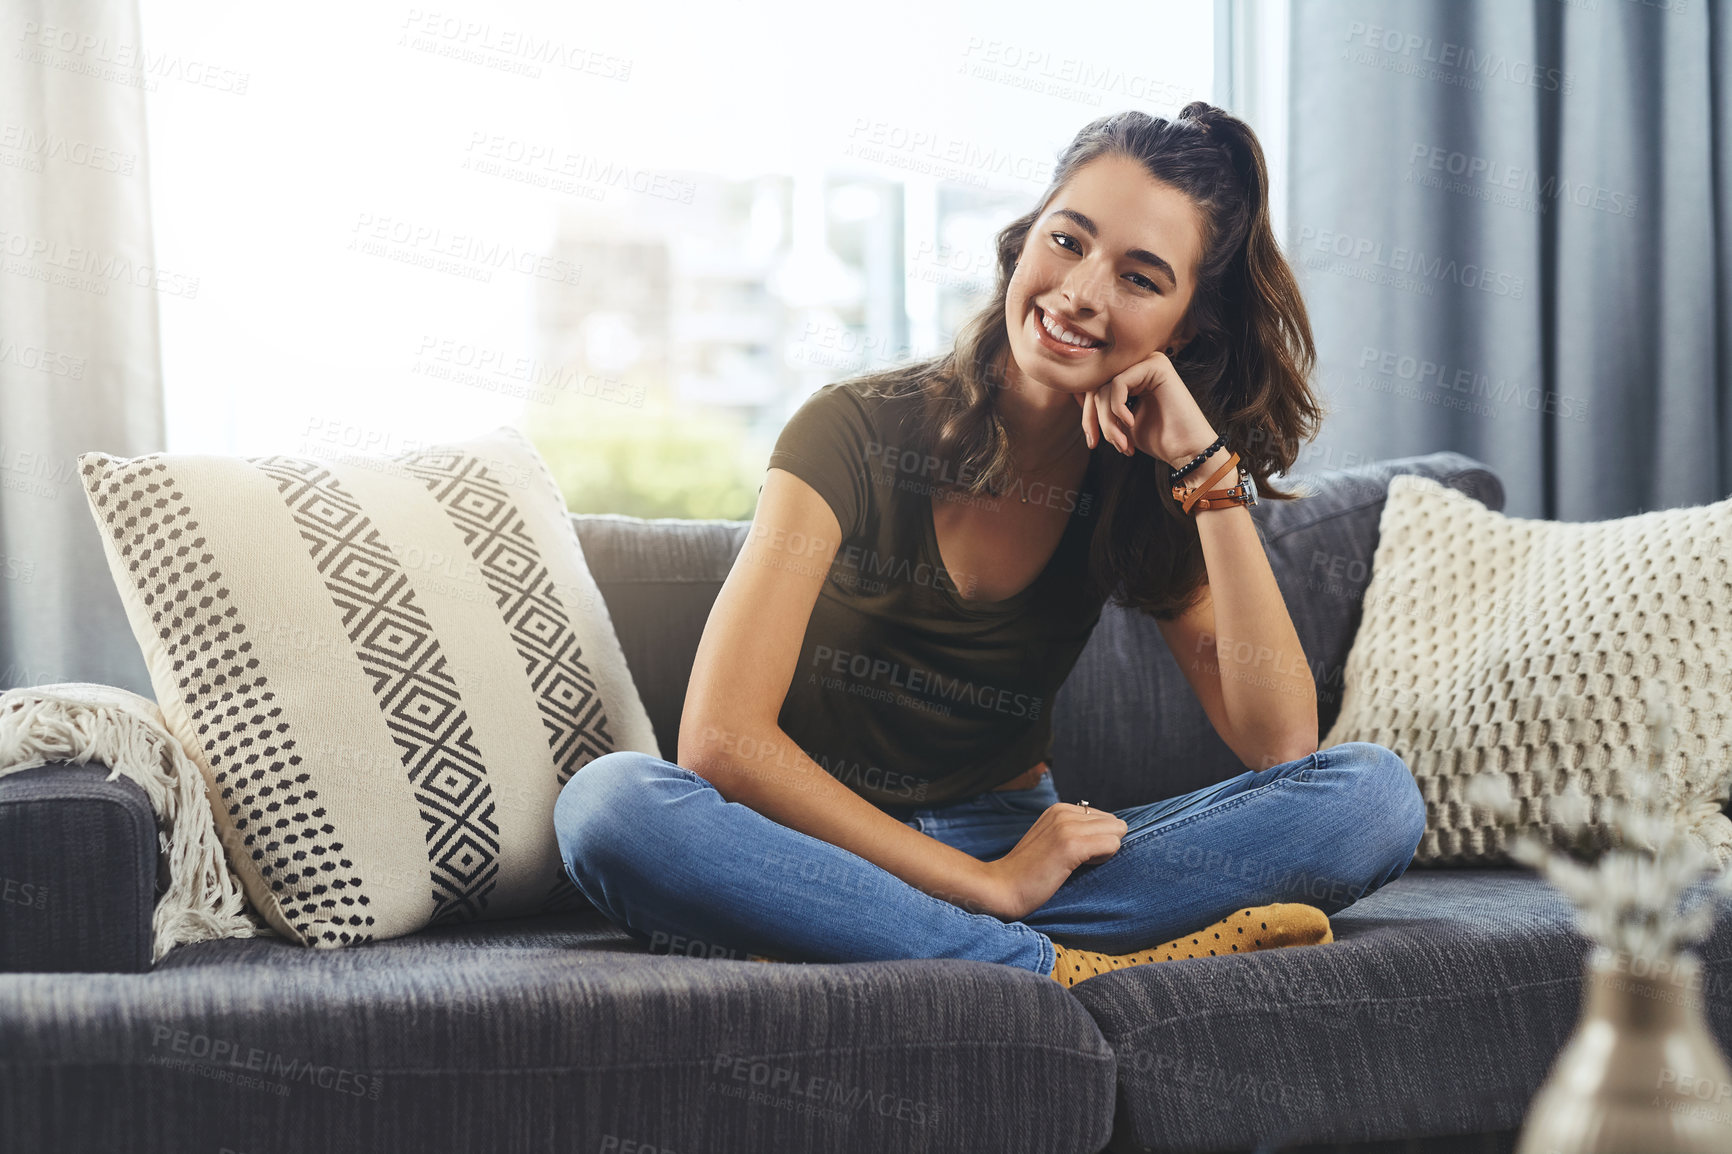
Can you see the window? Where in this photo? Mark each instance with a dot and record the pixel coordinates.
(642, 235)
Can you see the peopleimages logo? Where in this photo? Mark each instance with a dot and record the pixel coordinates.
(839, 1098)
(23, 139)
(1440, 375)
(470, 255)
(920, 466)
(937, 154)
(87, 54)
(863, 570)
(87, 270)
(1492, 180)
(41, 360)
(863, 667)
(903, 459)
(19, 893)
(201, 1051)
(1375, 256)
(859, 776)
(1412, 52)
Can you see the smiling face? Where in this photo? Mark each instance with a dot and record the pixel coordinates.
(1112, 259)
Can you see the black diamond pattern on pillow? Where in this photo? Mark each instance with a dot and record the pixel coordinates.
(566, 693)
(423, 709)
(274, 809)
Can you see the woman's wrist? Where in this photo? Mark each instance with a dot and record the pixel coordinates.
(1206, 439)
(1216, 485)
(973, 886)
(989, 891)
(1206, 468)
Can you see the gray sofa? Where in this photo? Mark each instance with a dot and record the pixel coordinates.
(1427, 1025)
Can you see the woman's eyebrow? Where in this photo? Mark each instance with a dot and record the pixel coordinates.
(1137, 254)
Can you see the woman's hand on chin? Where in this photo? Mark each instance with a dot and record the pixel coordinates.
(1165, 422)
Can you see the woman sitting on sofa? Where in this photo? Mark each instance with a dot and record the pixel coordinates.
(864, 751)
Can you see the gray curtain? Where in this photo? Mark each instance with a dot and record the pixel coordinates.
(1510, 222)
(80, 367)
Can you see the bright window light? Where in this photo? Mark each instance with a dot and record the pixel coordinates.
(641, 234)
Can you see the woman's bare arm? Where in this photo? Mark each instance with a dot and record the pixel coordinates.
(1238, 648)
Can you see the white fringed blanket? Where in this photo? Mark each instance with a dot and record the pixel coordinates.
(81, 722)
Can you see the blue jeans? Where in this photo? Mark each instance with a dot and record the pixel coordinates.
(658, 850)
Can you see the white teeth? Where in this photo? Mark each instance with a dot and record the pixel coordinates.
(1060, 333)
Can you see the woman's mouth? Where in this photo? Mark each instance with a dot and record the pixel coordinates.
(1044, 337)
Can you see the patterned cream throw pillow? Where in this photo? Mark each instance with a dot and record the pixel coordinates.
(1520, 647)
(385, 668)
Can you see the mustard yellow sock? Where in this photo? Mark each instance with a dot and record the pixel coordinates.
(1241, 932)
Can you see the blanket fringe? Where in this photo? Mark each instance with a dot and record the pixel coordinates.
(84, 723)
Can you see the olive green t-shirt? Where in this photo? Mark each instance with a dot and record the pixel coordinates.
(906, 691)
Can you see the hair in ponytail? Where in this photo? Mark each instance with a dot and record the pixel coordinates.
(1248, 363)
(1253, 353)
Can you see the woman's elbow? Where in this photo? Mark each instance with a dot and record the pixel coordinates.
(1298, 749)
(1297, 734)
(1279, 749)
(706, 749)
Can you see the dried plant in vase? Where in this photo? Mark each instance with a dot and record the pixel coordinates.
(1641, 1071)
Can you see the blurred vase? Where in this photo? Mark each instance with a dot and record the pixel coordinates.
(1641, 1072)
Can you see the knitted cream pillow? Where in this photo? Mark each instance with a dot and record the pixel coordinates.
(384, 668)
(1494, 643)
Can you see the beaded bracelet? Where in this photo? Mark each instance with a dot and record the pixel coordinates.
(1220, 443)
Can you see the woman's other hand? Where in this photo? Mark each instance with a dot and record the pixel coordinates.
(1062, 838)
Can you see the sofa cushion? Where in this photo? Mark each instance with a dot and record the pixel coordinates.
(1522, 650)
(384, 668)
(550, 1033)
(1437, 1010)
(659, 578)
(1128, 730)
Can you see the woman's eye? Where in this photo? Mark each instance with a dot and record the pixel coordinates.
(1140, 281)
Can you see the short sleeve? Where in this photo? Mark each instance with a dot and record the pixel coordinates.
(827, 443)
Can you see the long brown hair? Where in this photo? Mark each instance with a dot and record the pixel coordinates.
(1248, 364)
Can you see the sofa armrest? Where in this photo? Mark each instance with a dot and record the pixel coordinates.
(79, 866)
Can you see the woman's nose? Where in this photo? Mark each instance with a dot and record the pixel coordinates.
(1083, 289)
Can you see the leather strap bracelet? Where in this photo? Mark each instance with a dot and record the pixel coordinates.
(1202, 497)
(1244, 493)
